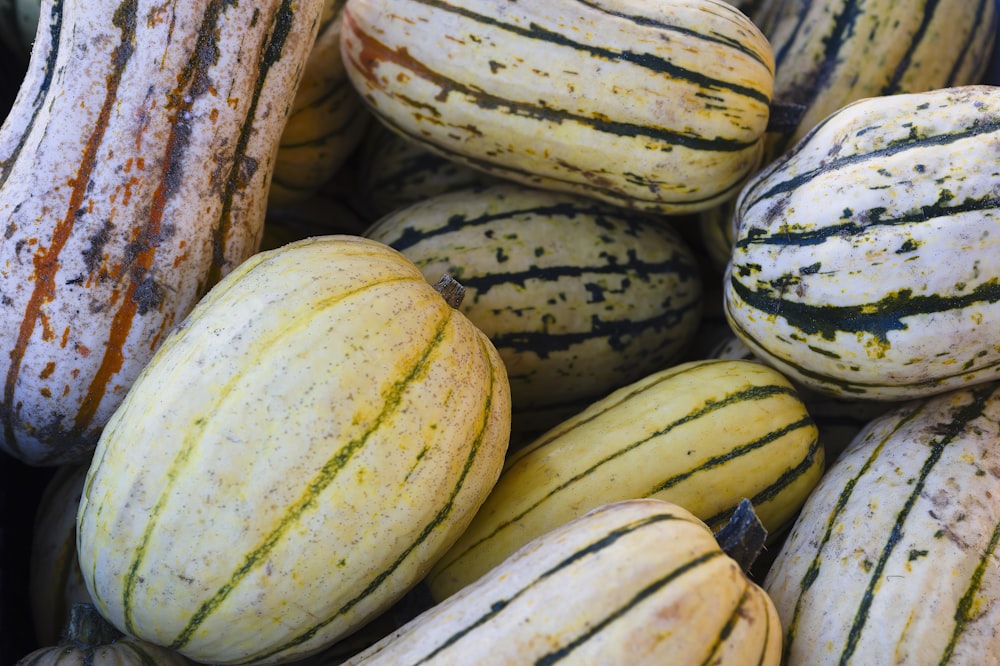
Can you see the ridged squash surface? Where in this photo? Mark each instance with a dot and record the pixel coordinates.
(656, 106)
(893, 559)
(640, 582)
(866, 259)
(294, 457)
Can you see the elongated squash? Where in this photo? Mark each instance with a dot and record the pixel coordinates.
(638, 582)
(829, 53)
(704, 435)
(866, 262)
(655, 106)
(134, 169)
(893, 559)
(294, 457)
(579, 297)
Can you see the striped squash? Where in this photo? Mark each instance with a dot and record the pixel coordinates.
(293, 458)
(829, 53)
(893, 559)
(866, 261)
(655, 106)
(134, 167)
(579, 297)
(704, 435)
(327, 121)
(838, 420)
(638, 582)
(55, 581)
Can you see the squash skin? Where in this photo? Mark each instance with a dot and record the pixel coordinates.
(894, 557)
(134, 168)
(638, 582)
(294, 457)
(659, 107)
(865, 258)
(703, 434)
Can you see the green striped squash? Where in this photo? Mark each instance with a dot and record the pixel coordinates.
(293, 458)
(655, 106)
(829, 53)
(893, 559)
(579, 297)
(327, 120)
(866, 262)
(640, 582)
(703, 434)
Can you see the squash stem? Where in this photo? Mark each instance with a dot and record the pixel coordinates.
(451, 289)
(88, 628)
(742, 538)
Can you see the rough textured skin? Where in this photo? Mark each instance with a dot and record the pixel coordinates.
(134, 169)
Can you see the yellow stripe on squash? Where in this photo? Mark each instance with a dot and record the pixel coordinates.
(294, 457)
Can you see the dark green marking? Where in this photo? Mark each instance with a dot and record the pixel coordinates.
(442, 514)
(961, 418)
(915, 409)
(710, 407)
(963, 613)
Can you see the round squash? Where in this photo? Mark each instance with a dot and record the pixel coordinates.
(294, 457)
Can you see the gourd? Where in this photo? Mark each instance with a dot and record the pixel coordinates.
(893, 558)
(865, 263)
(703, 434)
(579, 297)
(89, 640)
(829, 53)
(134, 167)
(55, 582)
(633, 582)
(294, 457)
(660, 106)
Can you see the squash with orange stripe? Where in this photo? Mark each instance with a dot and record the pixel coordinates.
(657, 106)
(294, 457)
(134, 168)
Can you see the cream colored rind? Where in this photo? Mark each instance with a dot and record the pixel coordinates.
(294, 457)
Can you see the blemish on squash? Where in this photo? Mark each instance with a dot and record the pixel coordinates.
(47, 370)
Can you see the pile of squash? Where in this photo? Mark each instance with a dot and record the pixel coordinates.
(404, 332)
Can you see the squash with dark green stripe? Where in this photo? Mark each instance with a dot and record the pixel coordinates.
(579, 297)
(639, 582)
(656, 106)
(893, 559)
(866, 259)
(294, 457)
(704, 435)
(134, 168)
(829, 53)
